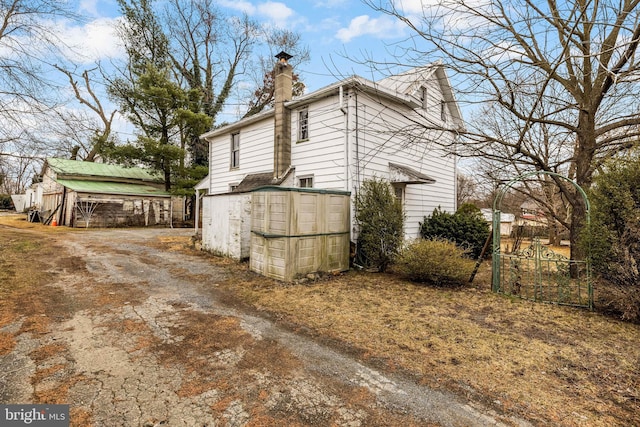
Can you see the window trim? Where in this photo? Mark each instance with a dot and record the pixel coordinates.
(303, 118)
(305, 178)
(234, 160)
(402, 189)
(424, 96)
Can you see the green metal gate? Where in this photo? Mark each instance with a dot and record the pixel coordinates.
(537, 273)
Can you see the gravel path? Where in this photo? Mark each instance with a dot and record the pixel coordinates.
(144, 340)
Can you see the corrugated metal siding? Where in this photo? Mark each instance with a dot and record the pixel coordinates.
(80, 168)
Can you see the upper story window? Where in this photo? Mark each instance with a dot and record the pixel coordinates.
(305, 182)
(303, 124)
(423, 97)
(443, 110)
(235, 150)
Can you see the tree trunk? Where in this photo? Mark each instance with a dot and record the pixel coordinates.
(583, 157)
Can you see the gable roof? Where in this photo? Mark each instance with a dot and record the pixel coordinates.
(409, 82)
(394, 88)
(406, 175)
(65, 167)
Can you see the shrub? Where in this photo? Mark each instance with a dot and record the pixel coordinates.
(614, 242)
(380, 223)
(467, 228)
(436, 261)
(5, 201)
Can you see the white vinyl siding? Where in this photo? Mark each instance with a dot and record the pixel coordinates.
(378, 145)
(257, 155)
(340, 153)
(322, 155)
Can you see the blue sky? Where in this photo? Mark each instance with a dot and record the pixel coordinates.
(330, 28)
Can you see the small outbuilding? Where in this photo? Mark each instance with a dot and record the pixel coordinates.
(87, 194)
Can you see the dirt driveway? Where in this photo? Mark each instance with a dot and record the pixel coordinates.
(138, 335)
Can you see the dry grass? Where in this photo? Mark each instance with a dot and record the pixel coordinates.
(553, 365)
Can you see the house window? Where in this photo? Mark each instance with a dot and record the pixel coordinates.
(235, 150)
(232, 187)
(423, 97)
(305, 182)
(443, 111)
(303, 124)
(398, 190)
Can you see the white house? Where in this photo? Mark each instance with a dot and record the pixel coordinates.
(335, 138)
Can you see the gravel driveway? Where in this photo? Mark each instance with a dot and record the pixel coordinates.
(141, 337)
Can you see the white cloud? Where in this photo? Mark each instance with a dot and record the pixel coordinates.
(94, 41)
(89, 7)
(279, 13)
(408, 7)
(383, 27)
(241, 5)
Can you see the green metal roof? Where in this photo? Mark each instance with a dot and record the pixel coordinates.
(83, 186)
(79, 168)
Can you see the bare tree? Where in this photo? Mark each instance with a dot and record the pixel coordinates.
(467, 190)
(277, 40)
(209, 52)
(577, 59)
(26, 36)
(87, 133)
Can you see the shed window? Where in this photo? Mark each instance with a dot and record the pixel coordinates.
(235, 150)
(303, 124)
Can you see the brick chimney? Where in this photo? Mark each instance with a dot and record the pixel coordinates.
(282, 132)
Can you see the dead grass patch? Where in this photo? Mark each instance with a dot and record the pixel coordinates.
(268, 356)
(548, 363)
(80, 417)
(44, 373)
(47, 351)
(58, 395)
(195, 387)
(203, 335)
(7, 343)
(108, 295)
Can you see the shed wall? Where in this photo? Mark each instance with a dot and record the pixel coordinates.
(295, 233)
(226, 224)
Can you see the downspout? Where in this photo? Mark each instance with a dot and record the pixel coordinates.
(197, 211)
(357, 135)
(171, 212)
(347, 152)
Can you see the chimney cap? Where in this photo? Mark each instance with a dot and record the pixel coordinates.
(284, 56)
